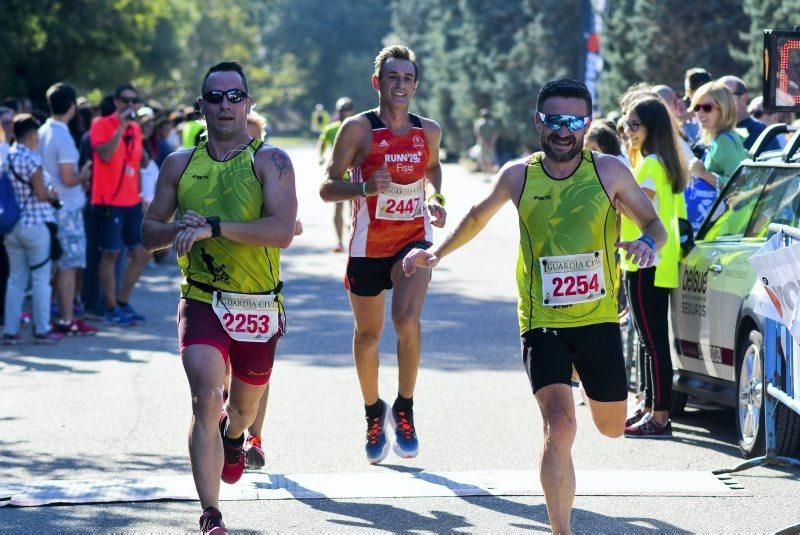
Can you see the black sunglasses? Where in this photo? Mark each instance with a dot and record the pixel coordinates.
(758, 114)
(705, 107)
(129, 100)
(234, 96)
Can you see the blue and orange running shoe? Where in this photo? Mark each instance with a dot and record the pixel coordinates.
(406, 444)
(377, 446)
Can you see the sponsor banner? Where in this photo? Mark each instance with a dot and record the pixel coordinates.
(778, 269)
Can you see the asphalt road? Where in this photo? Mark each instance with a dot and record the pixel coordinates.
(117, 404)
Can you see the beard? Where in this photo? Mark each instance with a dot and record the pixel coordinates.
(545, 140)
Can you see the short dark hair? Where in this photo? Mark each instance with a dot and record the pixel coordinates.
(107, 105)
(567, 88)
(605, 137)
(60, 97)
(697, 76)
(125, 87)
(396, 52)
(225, 66)
(23, 124)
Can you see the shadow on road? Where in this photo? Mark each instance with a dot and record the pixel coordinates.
(454, 327)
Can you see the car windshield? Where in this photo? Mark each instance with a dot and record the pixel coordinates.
(731, 214)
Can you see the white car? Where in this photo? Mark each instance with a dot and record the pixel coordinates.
(717, 327)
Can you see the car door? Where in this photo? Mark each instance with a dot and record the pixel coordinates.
(715, 278)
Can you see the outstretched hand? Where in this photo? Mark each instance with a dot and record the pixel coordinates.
(418, 258)
(638, 252)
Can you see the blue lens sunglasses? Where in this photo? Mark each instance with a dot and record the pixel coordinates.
(555, 121)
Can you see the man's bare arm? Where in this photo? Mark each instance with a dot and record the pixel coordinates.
(507, 185)
(349, 139)
(158, 228)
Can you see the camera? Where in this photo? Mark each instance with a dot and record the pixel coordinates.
(130, 115)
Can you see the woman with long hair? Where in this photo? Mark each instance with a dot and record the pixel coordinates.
(715, 109)
(661, 172)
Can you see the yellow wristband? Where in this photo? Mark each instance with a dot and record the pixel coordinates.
(438, 197)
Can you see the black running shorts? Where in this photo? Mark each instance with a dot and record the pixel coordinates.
(594, 350)
(368, 277)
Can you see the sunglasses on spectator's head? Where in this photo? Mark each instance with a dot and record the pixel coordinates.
(129, 100)
(706, 108)
(554, 121)
(234, 96)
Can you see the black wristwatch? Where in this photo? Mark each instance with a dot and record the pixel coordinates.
(214, 222)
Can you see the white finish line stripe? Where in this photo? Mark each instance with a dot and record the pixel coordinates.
(379, 484)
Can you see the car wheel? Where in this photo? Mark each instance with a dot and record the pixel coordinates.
(750, 395)
(677, 403)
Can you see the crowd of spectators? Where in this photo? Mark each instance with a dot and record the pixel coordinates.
(83, 174)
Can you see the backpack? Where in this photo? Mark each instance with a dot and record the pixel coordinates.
(9, 207)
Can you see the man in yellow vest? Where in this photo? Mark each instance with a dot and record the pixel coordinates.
(231, 308)
(567, 198)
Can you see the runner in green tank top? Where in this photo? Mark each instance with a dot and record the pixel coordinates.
(235, 206)
(566, 198)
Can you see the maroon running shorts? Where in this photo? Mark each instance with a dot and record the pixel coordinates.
(250, 361)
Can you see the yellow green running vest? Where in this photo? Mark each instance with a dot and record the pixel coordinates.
(559, 217)
(231, 191)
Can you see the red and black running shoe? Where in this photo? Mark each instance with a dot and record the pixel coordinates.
(233, 449)
(211, 522)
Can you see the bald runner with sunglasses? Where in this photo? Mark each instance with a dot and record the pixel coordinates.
(228, 248)
(567, 198)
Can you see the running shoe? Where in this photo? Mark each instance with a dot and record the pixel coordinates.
(339, 248)
(254, 453)
(135, 316)
(47, 338)
(406, 444)
(648, 428)
(637, 414)
(211, 522)
(11, 339)
(377, 446)
(116, 316)
(233, 468)
(76, 328)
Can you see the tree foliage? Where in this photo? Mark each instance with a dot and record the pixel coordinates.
(763, 15)
(656, 42)
(472, 53)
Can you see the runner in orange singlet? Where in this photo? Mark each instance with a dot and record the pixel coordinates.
(396, 180)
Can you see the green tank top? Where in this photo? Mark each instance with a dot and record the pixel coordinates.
(566, 269)
(232, 191)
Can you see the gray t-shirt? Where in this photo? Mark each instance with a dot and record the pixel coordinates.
(57, 147)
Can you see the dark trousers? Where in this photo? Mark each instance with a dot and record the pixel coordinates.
(650, 305)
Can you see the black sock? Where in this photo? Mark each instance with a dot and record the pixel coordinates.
(122, 304)
(374, 410)
(236, 442)
(403, 404)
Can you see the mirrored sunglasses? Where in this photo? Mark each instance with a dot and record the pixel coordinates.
(555, 121)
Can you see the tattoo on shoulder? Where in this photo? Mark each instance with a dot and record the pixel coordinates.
(280, 161)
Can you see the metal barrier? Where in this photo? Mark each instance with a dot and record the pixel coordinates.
(775, 369)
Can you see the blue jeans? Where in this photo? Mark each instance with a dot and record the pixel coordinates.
(26, 247)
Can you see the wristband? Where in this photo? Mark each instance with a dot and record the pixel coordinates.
(647, 240)
(214, 222)
(363, 192)
(438, 197)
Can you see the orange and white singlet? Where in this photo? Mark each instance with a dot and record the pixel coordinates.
(385, 223)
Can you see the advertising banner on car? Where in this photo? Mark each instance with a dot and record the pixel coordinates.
(778, 269)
